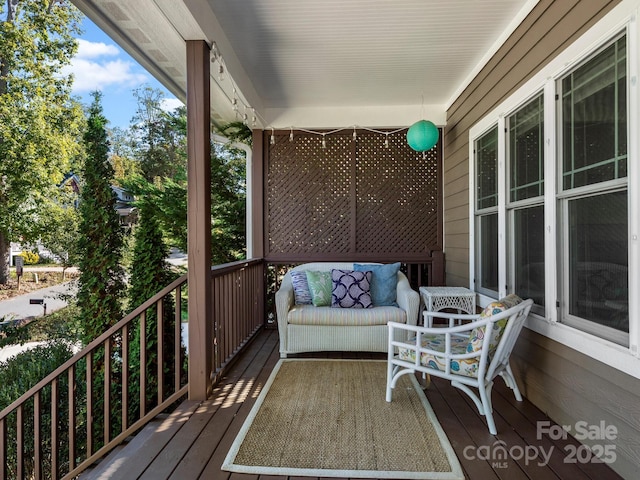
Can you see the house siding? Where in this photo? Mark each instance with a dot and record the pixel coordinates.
(566, 384)
(571, 387)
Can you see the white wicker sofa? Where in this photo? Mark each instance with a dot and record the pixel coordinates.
(309, 328)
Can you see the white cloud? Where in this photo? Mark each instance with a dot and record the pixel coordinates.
(169, 104)
(88, 49)
(93, 72)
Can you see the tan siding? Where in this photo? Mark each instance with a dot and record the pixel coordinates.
(571, 387)
(566, 384)
(549, 28)
(459, 213)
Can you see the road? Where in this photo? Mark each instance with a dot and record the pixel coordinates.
(20, 307)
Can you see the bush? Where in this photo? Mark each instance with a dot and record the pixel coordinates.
(21, 372)
(46, 260)
(17, 375)
(30, 258)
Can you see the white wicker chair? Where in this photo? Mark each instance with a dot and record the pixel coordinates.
(469, 355)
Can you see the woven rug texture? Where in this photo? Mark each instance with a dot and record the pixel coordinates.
(330, 418)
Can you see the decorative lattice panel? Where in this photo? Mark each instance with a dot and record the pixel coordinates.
(398, 197)
(309, 190)
(351, 197)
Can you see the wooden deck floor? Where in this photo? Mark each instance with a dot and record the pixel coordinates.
(192, 442)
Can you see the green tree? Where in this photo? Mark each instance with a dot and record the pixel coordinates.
(122, 155)
(61, 236)
(100, 240)
(149, 274)
(39, 121)
(161, 145)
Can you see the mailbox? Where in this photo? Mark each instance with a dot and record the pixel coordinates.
(36, 301)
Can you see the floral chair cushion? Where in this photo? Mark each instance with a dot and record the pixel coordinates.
(477, 334)
(467, 367)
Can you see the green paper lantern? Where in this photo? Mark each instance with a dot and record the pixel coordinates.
(422, 135)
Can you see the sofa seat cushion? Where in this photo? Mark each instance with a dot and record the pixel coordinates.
(312, 315)
(467, 366)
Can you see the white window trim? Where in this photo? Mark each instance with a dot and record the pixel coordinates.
(627, 359)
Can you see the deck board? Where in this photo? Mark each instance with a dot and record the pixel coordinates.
(195, 448)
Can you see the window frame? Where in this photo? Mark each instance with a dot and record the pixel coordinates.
(512, 206)
(621, 19)
(565, 196)
(480, 213)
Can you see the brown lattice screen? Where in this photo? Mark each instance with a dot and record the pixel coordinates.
(353, 199)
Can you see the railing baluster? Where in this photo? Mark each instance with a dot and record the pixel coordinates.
(125, 377)
(89, 402)
(106, 405)
(3, 449)
(177, 361)
(20, 441)
(160, 345)
(54, 428)
(37, 439)
(72, 416)
(143, 363)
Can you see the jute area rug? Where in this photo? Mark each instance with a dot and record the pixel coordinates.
(329, 418)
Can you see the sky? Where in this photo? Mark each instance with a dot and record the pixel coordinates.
(101, 64)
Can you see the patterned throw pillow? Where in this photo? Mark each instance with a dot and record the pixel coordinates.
(384, 282)
(301, 287)
(351, 289)
(320, 288)
(477, 334)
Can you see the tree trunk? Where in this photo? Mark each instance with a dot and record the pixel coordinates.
(5, 249)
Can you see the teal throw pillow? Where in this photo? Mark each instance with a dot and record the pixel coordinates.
(320, 286)
(384, 282)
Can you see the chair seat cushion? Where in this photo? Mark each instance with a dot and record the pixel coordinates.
(310, 315)
(467, 367)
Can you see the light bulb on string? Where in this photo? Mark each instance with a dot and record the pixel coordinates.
(386, 140)
(254, 118)
(324, 141)
(291, 135)
(355, 135)
(273, 137)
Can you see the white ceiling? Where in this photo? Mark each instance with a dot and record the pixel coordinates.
(319, 63)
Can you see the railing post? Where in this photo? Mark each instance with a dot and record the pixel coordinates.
(199, 218)
(437, 272)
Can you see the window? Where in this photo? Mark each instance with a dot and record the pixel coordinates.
(486, 155)
(593, 194)
(525, 210)
(555, 190)
(594, 119)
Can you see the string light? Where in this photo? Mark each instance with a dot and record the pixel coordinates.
(234, 101)
(237, 101)
(354, 134)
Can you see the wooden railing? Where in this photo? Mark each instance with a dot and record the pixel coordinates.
(115, 385)
(103, 394)
(237, 292)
